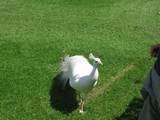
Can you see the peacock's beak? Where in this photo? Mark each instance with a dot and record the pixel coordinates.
(100, 63)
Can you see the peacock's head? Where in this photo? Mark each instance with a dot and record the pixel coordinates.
(94, 59)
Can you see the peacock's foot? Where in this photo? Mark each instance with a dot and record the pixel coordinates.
(81, 111)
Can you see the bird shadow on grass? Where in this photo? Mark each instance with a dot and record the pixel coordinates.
(62, 98)
(132, 111)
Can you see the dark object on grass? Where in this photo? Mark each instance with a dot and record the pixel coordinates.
(151, 95)
(151, 89)
(62, 98)
(155, 49)
(155, 52)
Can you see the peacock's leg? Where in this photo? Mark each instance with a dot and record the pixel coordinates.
(81, 104)
(81, 110)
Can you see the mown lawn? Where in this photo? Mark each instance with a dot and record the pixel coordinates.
(36, 34)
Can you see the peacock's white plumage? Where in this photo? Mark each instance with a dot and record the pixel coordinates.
(81, 74)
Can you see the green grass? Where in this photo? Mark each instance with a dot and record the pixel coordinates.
(35, 34)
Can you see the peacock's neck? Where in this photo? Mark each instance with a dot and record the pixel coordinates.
(93, 70)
